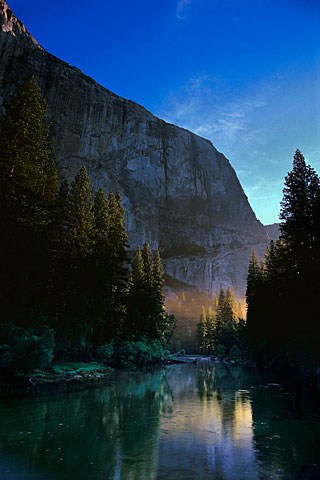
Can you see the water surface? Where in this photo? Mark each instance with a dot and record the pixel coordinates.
(205, 422)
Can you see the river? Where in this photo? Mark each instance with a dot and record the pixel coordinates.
(204, 422)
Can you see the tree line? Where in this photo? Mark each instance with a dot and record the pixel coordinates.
(282, 290)
(67, 285)
(220, 329)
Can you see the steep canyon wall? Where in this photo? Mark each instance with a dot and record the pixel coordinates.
(179, 192)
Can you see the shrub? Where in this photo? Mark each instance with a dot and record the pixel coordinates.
(220, 350)
(5, 356)
(70, 346)
(140, 353)
(235, 353)
(105, 352)
(27, 349)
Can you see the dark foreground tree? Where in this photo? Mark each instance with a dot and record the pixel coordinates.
(27, 190)
(146, 314)
(282, 296)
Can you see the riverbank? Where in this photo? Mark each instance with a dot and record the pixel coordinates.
(73, 376)
(62, 377)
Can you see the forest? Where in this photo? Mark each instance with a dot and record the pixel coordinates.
(71, 290)
(68, 287)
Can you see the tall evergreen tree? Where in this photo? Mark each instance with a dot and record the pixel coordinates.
(27, 188)
(225, 321)
(147, 263)
(165, 323)
(282, 295)
(202, 332)
(25, 150)
(101, 225)
(136, 311)
(297, 208)
(75, 299)
(110, 269)
(146, 310)
(157, 276)
(80, 225)
(300, 233)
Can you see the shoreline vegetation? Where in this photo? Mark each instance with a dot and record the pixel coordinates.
(72, 376)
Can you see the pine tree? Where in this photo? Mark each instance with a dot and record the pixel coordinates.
(297, 206)
(101, 225)
(80, 225)
(110, 272)
(75, 300)
(225, 320)
(211, 323)
(282, 294)
(136, 311)
(138, 275)
(147, 263)
(157, 276)
(118, 242)
(27, 189)
(255, 276)
(256, 301)
(24, 146)
(165, 323)
(202, 332)
(146, 311)
(300, 234)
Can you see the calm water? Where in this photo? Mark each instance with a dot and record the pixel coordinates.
(186, 422)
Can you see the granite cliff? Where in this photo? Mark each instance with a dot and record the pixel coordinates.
(179, 192)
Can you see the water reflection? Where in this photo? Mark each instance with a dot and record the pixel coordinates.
(209, 434)
(186, 422)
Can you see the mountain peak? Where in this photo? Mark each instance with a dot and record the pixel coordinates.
(9, 23)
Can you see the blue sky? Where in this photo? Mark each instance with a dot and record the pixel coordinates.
(245, 74)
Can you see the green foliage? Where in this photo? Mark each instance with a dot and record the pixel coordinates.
(80, 221)
(146, 313)
(72, 344)
(219, 326)
(140, 353)
(220, 351)
(6, 358)
(205, 332)
(235, 353)
(106, 352)
(24, 145)
(27, 349)
(27, 184)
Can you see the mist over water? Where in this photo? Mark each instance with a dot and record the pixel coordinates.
(185, 422)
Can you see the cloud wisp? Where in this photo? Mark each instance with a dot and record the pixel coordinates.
(239, 124)
(180, 9)
(209, 109)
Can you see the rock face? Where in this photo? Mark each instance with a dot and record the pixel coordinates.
(273, 231)
(179, 192)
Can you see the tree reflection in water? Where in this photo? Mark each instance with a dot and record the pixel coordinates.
(202, 422)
